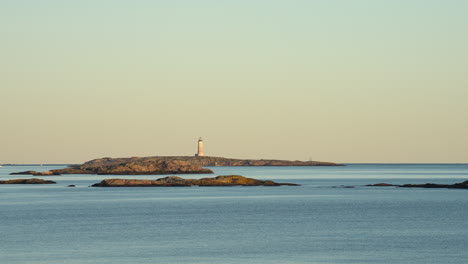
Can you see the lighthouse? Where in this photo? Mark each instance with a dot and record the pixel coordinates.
(200, 148)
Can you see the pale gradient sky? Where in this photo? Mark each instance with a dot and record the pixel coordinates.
(331, 80)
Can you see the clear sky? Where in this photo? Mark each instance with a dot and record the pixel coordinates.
(331, 80)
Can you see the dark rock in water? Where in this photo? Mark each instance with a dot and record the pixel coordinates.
(27, 181)
(461, 185)
(71, 185)
(344, 186)
(381, 184)
(23, 173)
(174, 181)
(36, 173)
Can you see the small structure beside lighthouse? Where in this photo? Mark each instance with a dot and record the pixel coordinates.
(200, 148)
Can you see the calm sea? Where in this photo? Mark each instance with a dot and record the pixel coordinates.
(318, 222)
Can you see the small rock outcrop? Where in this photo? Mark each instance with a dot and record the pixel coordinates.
(27, 181)
(236, 180)
(174, 181)
(460, 185)
(36, 173)
(381, 185)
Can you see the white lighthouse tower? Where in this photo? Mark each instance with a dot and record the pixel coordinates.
(200, 148)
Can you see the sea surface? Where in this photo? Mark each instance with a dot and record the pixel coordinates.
(322, 221)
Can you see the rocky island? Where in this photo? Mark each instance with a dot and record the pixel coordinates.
(27, 181)
(174, 181)
(220, 161)
(165, 165)
(460, 185)
(127, 166)
(35, 173)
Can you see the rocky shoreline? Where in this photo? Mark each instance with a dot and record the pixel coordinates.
(174, 181)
